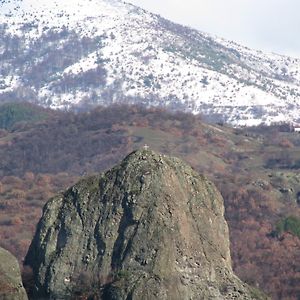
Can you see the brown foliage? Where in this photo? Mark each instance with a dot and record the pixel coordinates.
(285, 143)
(46, 158)
(19, 215)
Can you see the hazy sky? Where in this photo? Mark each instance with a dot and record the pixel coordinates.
(271, 25)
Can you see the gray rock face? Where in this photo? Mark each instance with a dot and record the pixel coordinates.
(150, 228)
(11, 286)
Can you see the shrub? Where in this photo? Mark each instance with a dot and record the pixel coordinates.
(289, 224)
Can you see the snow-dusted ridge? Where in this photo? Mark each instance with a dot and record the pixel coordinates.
(76, 54)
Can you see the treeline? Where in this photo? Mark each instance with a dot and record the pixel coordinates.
(15, 113)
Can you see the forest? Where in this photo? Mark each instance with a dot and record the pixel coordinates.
(256, 169)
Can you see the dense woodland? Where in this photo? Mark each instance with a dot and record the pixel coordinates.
(256, 169)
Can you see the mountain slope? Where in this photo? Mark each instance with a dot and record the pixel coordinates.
(77, 55)
(257, 172)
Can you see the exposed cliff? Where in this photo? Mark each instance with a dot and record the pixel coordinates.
(11, 287)
(150, 228)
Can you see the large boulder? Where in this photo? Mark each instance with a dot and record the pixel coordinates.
(11, 286)
(150, 228)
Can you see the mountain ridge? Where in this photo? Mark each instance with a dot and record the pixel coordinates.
(77, 56)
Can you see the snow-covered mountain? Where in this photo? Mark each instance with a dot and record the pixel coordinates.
(76, 54)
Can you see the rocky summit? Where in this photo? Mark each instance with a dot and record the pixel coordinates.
(11, 287)
(150, 228)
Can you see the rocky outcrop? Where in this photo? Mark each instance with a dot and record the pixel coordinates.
(11, 287)
(150, 228)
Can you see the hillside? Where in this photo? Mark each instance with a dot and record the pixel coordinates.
(255, 169)
(77, 56)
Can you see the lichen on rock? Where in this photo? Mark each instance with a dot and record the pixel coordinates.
(11, 286)
(150, 228)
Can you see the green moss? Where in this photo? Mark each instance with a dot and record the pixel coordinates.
(123, 274)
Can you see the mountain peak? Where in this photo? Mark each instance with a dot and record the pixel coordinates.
(149, 228)
(60, 13)
(78, 55)
(145, 153)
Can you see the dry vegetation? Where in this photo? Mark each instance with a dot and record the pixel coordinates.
(255, 169)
